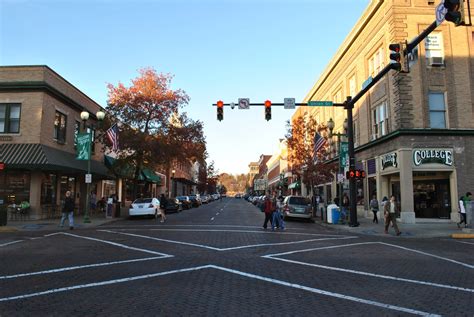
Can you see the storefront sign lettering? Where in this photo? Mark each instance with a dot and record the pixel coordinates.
(389, 159)
(441, 156)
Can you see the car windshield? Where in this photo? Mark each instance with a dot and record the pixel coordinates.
(142, 201)
(299, 201)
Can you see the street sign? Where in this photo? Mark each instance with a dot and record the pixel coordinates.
(340, 178)
(244, 103)
(88, 178)
(440, 12)
(320, 103)
(367, 82)
(289, 103)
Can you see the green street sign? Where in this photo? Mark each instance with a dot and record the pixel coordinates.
(320, 103)
(83, 146)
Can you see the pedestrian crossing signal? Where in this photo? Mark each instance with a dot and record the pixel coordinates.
(355, 174)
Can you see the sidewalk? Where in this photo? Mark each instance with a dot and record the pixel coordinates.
(53, 224)
(419, 230)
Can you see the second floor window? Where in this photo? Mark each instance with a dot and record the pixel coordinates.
(437, 106)
(10, 118)
(380, 120)
(60, 123)
(376, 62)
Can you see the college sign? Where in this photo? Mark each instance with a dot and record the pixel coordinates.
(389, 160)
(440, 156)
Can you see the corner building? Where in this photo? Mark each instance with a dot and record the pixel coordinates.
(413, 132)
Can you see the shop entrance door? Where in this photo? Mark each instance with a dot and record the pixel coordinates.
(432, 199)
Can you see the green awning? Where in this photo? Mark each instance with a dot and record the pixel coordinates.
(150, 176)
(294, 185)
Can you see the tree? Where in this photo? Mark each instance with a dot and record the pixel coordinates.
(311, 167)
(144, 109)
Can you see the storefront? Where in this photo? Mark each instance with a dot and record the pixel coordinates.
(422, 179)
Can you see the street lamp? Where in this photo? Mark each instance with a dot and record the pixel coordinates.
(100, 115)
(172, 183)
(330, 125)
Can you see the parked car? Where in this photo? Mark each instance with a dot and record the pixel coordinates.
(297, 207)
(196, 202)
(238, 196)
(185, 202)
(173, 205)
(205, 199)
(144, 207)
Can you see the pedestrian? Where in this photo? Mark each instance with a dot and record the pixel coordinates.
(268, 210)
(162, 210)
(345, 207)
(463, 202)
(374, 206)
(390, 210)
(68, 210)
(277, 216)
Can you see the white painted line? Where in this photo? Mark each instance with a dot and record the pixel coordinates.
(325, 293)
(53, 234)
(387, 277)
(115, 244)
(12, 242)
(286, 232)
(71, 268)
(212, 219)
(158, 239)
(222, 249)
(471, 243)
(429, 254)
(110, 282)
(320, 248)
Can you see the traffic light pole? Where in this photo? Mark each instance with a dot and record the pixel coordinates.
(352, 181)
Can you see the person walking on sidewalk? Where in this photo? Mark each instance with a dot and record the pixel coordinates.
(374, 206)
(68, 210)
(463, 201)
(390, 210)
(277, 218)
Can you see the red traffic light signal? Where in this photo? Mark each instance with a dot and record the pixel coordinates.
(356, 174)
(2, 166)
(268, 110)
(398, 60)
(220, 110)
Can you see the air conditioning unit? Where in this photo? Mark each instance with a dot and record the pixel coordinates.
(436, 61)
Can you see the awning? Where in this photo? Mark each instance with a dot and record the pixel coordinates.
(150, 176)
(294, 185)
(41, 157)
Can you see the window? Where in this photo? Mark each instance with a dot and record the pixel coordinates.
(10, 118)
(434, 49)
(437, 107)
(60, 122)
(379, 121)
(376, 62)
(352, 86)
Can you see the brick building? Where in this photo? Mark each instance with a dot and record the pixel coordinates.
(413, 132)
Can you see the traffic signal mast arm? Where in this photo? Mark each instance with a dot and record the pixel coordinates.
(282, 104)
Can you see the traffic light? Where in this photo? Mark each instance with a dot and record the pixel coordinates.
(220, 110)
(455, 12)
(356, 174)
(398, 59)
(268, 110)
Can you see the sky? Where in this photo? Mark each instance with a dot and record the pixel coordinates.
(216, 50)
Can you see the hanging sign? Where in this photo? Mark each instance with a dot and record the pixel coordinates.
(83, 146)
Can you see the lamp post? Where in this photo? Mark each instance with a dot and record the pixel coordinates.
(85, 116)
(172, 183)
(330, 125)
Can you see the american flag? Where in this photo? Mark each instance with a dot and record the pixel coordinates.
(112, 135)
(319, 142)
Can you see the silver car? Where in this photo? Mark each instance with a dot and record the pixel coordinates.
(297, 207)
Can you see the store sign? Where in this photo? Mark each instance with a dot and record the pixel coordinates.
(389, 160)
(440, 156)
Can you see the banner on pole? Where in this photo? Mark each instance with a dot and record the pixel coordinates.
(83, 146)
(344, 155)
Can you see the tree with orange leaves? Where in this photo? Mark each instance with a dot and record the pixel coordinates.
(311, 167)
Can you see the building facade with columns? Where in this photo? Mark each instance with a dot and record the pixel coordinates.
(413, 132)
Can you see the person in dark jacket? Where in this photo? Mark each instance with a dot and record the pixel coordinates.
(68, 210)
(268, 208)
(162, 209)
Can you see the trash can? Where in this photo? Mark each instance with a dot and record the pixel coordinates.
(117, 210)
(3, 215)
(336, 214)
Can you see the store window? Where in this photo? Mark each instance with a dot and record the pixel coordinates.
(60, 123)
(10, 118)
(376, 62)
(48, 189)
(15, 187)
(437, 106)
(67, 183)
(379, 121)
(434, 49)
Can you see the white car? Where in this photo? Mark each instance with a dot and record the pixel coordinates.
(144, 206)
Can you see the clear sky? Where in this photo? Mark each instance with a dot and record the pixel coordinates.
(217, 49)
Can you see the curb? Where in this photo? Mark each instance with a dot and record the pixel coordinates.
(462, 236)
(8, 229)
